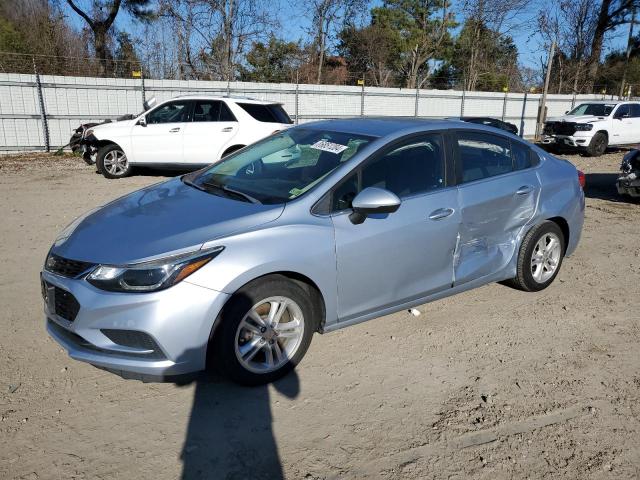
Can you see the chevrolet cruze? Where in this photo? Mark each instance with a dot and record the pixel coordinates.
(238, 265)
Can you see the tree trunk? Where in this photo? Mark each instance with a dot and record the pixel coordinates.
(598, 40)
(103, 54)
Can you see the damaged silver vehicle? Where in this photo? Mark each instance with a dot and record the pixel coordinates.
(628, 182)
(236, 266)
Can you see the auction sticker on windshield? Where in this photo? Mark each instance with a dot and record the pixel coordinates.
(326, 146)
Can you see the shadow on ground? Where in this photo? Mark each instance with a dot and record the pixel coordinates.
(230, 434)
(603, 187)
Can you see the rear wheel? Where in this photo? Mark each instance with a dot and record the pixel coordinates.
(264, 331)
(540, 258)
(112, 162)
(598, 145)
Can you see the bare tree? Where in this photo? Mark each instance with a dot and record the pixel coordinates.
(100, 16)
(326, 17)
(213, 35)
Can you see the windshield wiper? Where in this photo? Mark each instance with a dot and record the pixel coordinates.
(246, 197)
(186, 181)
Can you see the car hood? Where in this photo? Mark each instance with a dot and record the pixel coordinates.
(576, 119)
(158, 220)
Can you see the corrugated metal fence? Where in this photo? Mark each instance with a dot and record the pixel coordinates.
(28, 123)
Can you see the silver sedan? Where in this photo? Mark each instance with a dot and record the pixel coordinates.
(239, 264)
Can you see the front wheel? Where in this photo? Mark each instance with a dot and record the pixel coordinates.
(598, 145)
(112, 162)
(540, 257)
(264, 331)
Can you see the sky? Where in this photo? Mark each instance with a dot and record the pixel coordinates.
(295, 26)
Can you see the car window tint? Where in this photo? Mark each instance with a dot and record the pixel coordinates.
(344, 194)
(266, 113)
(622, 111)
(522, 156)
(169, 113)
(225, 114)
(411, 168)
(206, 111)
(635, 110)
(482, 155)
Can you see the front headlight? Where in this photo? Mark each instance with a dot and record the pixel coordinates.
(87, 132)
(584, 127)
(151, 276)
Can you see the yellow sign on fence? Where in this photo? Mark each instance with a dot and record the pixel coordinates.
(136, 74)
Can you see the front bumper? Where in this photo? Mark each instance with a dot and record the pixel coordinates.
(177, 321)
(574, 141)
(629, 184)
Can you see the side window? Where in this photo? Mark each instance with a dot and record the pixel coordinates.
(169, 113)
(522, 156)
(206, 111)
(482, 155)
(225, 114)
(412, 168)
(635, 110)
(622, 111)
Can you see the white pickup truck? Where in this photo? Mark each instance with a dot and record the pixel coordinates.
(592, 126)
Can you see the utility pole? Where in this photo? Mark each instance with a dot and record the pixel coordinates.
(543, 106)
(626, 60)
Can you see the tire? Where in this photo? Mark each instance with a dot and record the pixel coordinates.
(232, 348)
(112, 162)
(533, 278)
(598, 145)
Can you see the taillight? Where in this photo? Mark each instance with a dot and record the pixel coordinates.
(582, 180)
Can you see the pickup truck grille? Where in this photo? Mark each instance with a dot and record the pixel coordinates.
(559, 128)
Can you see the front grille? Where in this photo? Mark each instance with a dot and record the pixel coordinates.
(133, 339)
(66, 305)
(559, 128)
(65, 266)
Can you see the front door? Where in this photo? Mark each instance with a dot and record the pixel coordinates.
(210, 132)
(497, 195)
(405, 255)
(161, 140)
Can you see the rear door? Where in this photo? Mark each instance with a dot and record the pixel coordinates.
(210, 132)
(497, 194)
(405, 255)
(161, 140)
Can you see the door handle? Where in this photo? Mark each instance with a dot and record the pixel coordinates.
(227, 129)
(524, 190)
(441, 213)
(174, 130)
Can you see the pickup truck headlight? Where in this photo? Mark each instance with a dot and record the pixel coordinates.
(584, 127)
(151, 276)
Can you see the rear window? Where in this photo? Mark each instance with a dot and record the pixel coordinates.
(273, 113)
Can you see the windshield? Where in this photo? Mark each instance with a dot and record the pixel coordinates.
(595, 109)
(281, 167)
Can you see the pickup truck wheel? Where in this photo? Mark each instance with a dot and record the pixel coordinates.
(112, 162)
(598, 145)
(264, 331)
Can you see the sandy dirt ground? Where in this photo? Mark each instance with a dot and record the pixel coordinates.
(491, 384)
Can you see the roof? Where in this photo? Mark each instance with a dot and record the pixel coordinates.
(207, 96)
(392, 126)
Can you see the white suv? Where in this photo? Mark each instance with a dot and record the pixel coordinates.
(593, 126)
(191, 130)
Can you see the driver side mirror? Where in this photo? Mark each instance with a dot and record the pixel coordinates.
(142, 122)
(373, 200)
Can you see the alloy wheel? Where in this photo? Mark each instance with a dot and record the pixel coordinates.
(269, 334)
(545, 257)
(116, 163)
